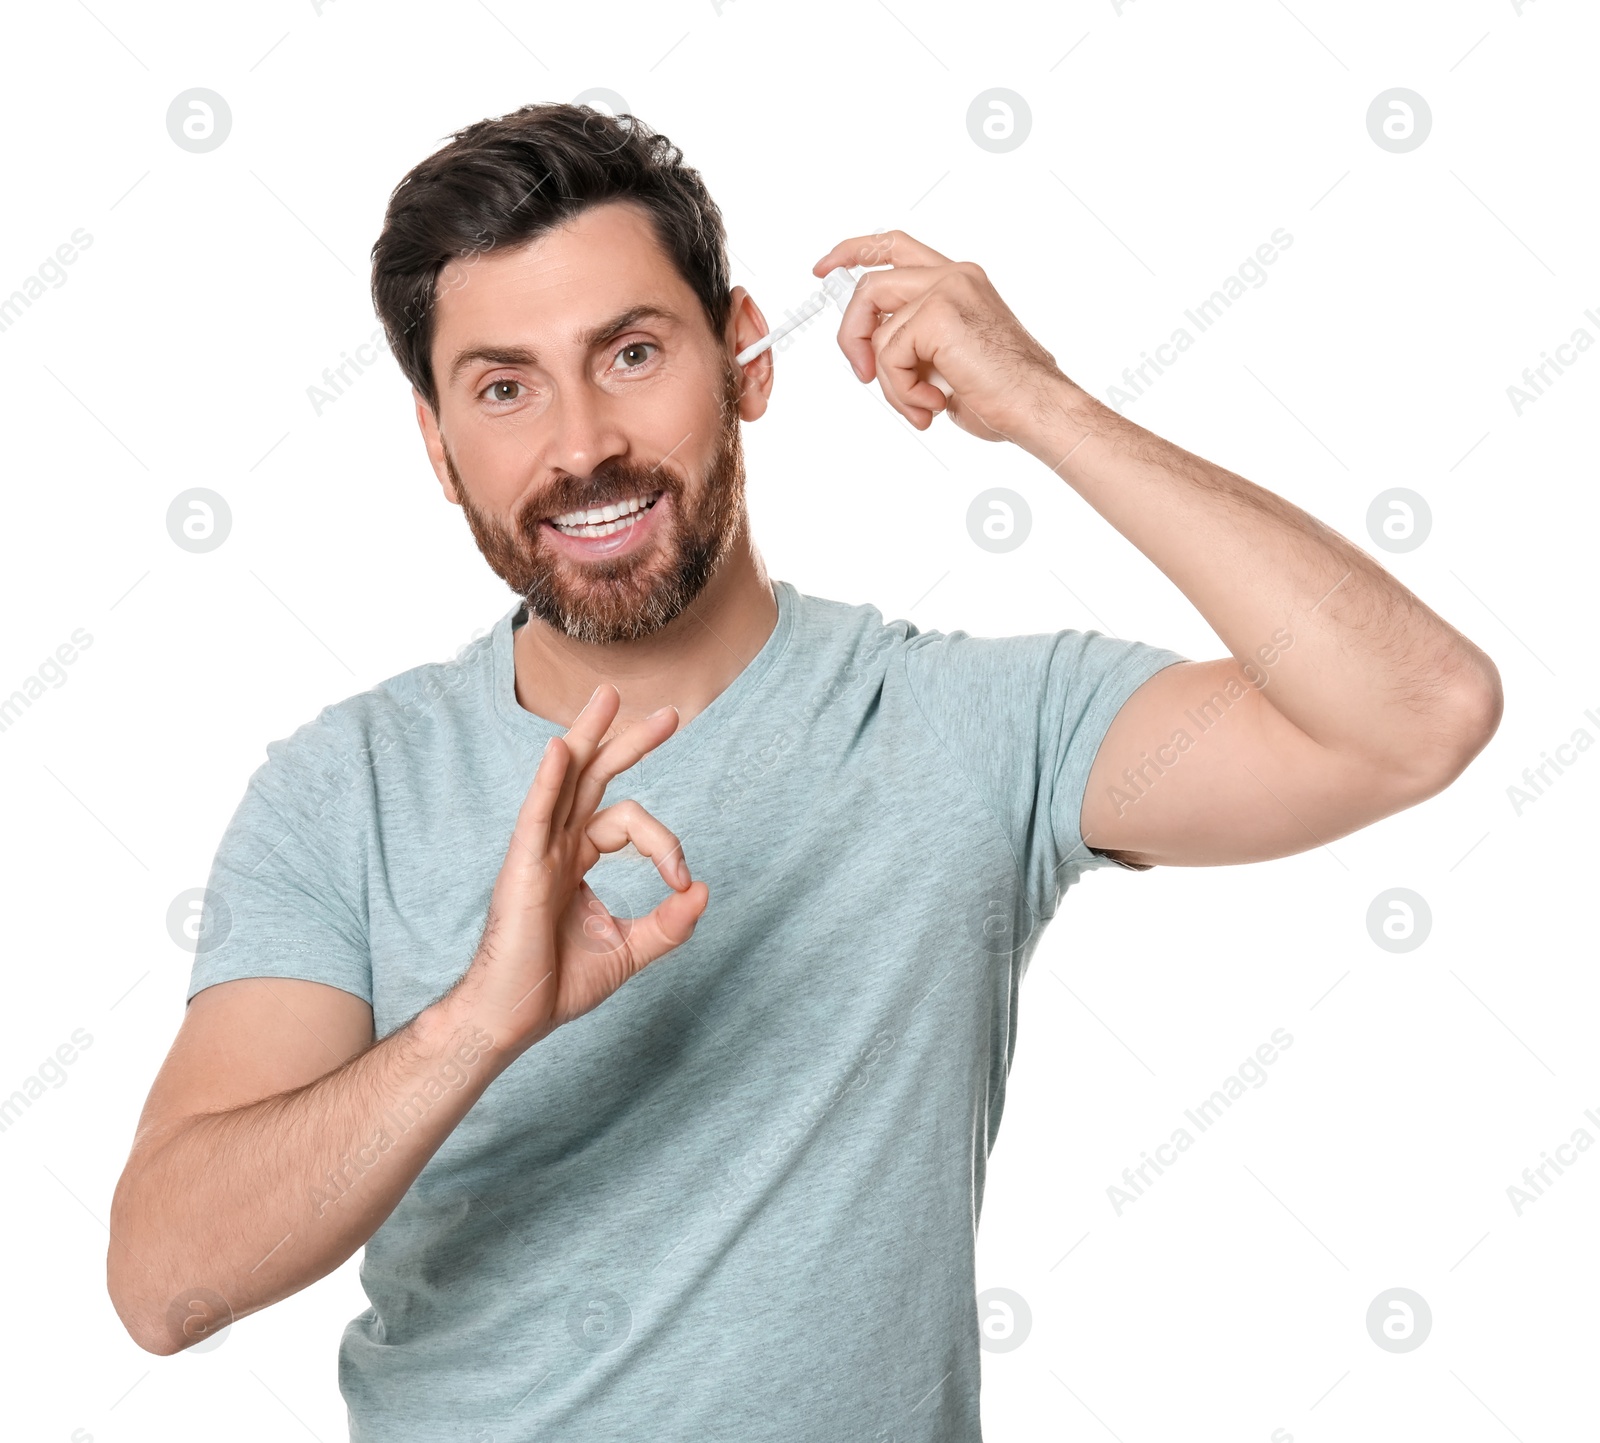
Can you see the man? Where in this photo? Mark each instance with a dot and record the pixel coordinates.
(668, 1116)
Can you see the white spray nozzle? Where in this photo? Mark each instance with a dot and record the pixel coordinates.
(838, 286)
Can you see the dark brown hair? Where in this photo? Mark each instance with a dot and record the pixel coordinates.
(504, 182)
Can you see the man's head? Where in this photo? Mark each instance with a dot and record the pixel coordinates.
(554, 284)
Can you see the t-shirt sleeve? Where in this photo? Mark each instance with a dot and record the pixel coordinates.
(1023, 717)
(283, 898)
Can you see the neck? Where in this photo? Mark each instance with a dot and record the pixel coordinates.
(687, 664)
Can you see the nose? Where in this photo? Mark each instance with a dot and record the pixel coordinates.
(581, 427)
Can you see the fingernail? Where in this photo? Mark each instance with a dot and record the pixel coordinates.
(661, 711)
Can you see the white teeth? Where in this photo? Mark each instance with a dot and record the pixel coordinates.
(605, 520)
(601, 515)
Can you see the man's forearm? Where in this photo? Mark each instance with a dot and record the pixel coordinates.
(1372, 672)
(255, 1203)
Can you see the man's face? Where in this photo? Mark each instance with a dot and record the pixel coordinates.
(588, 424)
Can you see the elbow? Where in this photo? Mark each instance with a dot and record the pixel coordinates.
(129, 1279)
(1462, 723)
(139, 1318)
(161, 1325)
(152, 1340)
(1477, 703)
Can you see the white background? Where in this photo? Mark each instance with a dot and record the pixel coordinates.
(1166, 143)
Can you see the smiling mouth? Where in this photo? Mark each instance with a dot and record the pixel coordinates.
(604, 520)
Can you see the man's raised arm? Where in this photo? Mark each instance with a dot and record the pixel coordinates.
(1344, 698)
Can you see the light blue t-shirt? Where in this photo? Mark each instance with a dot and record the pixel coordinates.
(739, 1199)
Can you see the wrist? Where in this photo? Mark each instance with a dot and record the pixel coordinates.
(1065, 417)
(460, 1022)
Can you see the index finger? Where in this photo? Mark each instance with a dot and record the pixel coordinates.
(884, 248)
(583, 740)
(615, 757)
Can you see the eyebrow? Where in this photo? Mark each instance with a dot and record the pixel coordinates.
(589, 339)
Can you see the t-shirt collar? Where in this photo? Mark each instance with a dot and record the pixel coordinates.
(537, 729)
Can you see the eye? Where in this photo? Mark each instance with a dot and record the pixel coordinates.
(637, 346)
(495, 389)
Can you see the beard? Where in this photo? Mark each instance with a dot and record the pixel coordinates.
(622, 599)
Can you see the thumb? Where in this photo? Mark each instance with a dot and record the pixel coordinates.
(670, 925)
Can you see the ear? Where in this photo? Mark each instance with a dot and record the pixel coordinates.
(746, 326)
(433, 440)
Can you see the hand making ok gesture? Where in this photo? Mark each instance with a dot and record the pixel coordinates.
(550, 950)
